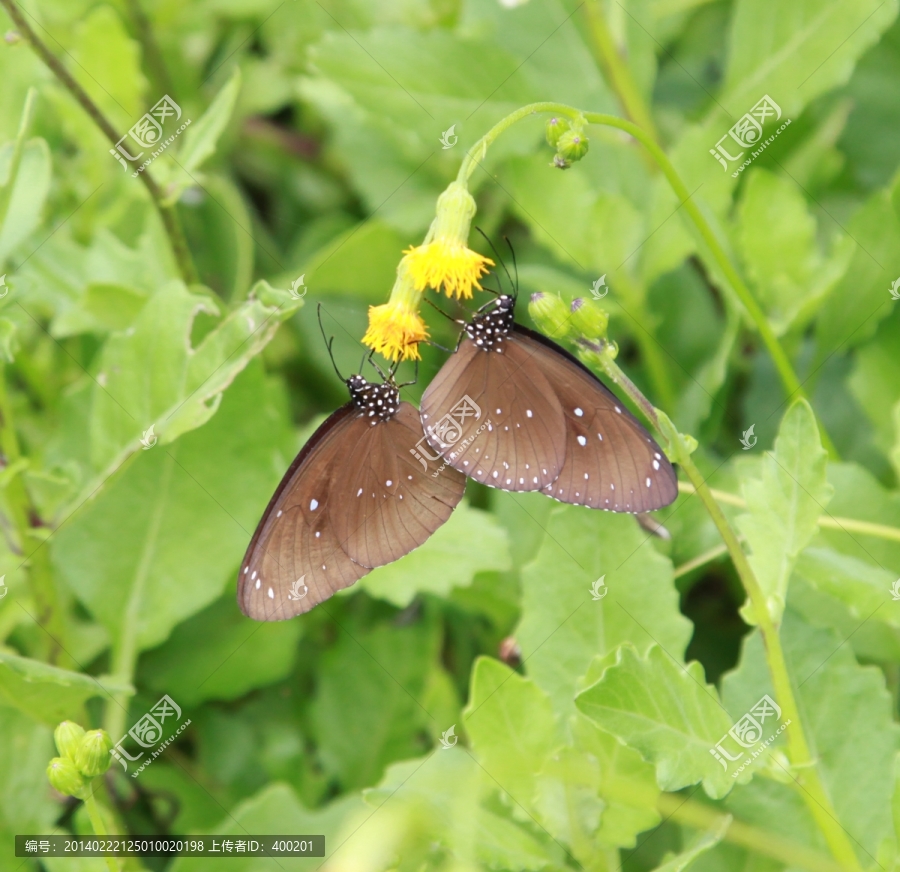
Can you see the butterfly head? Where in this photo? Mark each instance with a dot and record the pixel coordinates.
(489, 329)
(378, 402)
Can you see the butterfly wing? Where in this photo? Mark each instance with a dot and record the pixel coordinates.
(496, 418)
(389, 503)
(611, 460)
(295, 560)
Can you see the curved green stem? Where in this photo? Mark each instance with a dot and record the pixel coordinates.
(805, 772)
(167, 214)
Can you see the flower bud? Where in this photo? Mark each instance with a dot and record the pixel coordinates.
(64, 777)
(588, 319)
(572, 145)
(550, 314)
(68, 736)
(92, 756)
(555, 128)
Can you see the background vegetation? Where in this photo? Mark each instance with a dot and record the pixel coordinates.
(314, 150)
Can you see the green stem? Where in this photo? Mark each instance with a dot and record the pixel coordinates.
(783, 365)
(167, 214)
(805, 774)
(93, 810)
(616, 71)
(700, 560)
(125, 646)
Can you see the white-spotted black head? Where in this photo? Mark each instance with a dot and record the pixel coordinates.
(489, 329)
(378, 402)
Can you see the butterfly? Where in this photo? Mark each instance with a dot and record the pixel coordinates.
(538, 420)
(353, 499)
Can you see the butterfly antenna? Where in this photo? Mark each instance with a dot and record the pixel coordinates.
(500, 260)
(512, 252)
(328, 343)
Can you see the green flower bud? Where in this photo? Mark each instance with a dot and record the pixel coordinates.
(589, 319)
(550, 314)
(560, 163)
(92, 756)
(68, 736)
(572, 145)
(555, 128)
(65, 778)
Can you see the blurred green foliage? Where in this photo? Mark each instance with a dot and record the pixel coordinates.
(314, 150)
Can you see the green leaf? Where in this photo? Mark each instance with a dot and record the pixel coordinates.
(218, 654)
(861, 298)
(161, 540)
(150, 376)
(623, 817)
(707, 840)
(470, 542)
(201, 137)
(777, 239)
(25, 803)
(666, 712)
(796, 52)
(875, 378)
(837, 698)
(9, 340)
(276, 810)
(114, 306)
(512, 727)
(108, 66)
(50, 694)
(784, 504)
(380, 676)
(563, 628)
(30, 186)
(438, 800)
(864, 589)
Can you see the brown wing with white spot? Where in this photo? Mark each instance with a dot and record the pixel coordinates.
(294, 560)
(493, 416)
(389, 503)
(612, 462)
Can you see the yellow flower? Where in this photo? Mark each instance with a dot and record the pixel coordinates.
(395, 328)
(444, 258)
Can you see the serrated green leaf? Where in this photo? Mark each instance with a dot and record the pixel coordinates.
(150, 376)
(470, 542)
(837, 698)
(784, 504)
(563, 628)
(50, 694)
(114, 306)
(512, 728)
(666, 712)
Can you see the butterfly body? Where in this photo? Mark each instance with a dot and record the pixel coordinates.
(547, 423)
(353, 499)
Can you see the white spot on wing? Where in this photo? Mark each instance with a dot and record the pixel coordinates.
(313, 505)
(582, 440)
(579, 412)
